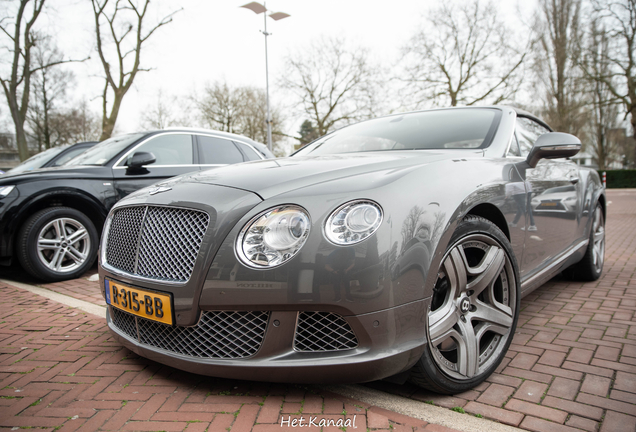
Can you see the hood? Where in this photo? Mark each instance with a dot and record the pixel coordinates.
(53, 173)
(272, 177)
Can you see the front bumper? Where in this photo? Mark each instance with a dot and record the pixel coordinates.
(389, 342)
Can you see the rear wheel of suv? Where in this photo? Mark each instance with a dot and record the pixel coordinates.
(57, 243)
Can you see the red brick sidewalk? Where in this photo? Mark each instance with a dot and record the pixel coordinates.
(61, 370)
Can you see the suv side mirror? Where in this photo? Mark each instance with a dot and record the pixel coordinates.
(553, 145)
(139, 159)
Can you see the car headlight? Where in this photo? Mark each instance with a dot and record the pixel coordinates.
(353, 222)
(273, 237)
(5, 190)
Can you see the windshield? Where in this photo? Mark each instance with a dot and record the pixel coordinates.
(103, 152)
(37, 161)
(442, 129)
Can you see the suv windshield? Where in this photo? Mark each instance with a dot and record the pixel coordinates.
(441, 129)
(103, 152)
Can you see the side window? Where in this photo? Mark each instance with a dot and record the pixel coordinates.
(249, 152)
(170, 149)
(527, 132)
(214, 151)
(514, 147)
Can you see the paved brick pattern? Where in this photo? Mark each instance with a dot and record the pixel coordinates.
(572, 363)
(61, 370)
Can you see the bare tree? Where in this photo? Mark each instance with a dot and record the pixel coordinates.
(240, 110)
(17, 84)
(124, 20)
(333, 83)
(462, 55)
(619, 17)
(75, 125)
(557, 60)
(49, 86)
(165, 112)
(603, 104)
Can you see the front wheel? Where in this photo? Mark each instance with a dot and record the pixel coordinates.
(473, 312)
(57, 243)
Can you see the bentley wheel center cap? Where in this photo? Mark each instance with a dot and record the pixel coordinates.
(464, 305)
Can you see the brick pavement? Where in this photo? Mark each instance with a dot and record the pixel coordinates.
(572, 363)
(61, 370)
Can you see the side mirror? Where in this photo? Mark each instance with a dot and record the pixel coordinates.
(139, 159)
(553, 145)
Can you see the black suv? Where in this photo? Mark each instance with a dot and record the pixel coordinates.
(50, 218)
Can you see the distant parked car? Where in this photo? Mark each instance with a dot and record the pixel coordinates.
(52, 157)
(50, 218)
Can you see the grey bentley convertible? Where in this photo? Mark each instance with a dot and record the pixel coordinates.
(397, 248)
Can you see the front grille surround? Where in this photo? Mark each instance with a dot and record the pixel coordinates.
(322, 332)
(218, 334)
(154, 242)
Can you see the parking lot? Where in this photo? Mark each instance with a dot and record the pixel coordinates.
(571, 366)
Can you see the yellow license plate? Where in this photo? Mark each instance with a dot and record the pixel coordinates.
(143, 303)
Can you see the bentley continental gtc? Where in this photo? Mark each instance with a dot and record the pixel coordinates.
(396, 248)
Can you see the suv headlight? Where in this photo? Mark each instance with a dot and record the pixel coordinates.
(273, 237)
(5, 190)
(353, 222)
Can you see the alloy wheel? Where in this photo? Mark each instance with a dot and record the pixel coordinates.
(598, 249)
(472, 310)
(63, 245)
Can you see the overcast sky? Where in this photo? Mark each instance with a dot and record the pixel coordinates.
(218, 40)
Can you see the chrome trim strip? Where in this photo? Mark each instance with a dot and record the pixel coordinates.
(554, 264)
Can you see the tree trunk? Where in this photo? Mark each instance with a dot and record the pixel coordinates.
(109, 122)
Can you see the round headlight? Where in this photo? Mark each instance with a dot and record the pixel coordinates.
(273, 237)
(353, 222)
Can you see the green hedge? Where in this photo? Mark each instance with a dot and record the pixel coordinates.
(619, 178)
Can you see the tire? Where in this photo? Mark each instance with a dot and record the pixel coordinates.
(474, 310)
(591, 265)
(57, 243)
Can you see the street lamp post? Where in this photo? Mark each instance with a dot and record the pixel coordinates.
(258, 8)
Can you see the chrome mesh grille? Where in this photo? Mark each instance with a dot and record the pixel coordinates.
(124, 231)
(170, 243)
(323, 331)
(125, 322)
(156, 242)
(219, 334)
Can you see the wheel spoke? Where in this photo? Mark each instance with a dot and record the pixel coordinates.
(76, 255)
(441, 323)
(497, 314)
(456, 272)
(56, 261)
(47, 244)
(77, 236)
(467, 350)
(488, 270)
(599, 236)
(59, 229)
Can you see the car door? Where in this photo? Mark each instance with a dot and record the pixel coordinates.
(174, 153)
(552, 197)
(215, 151)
